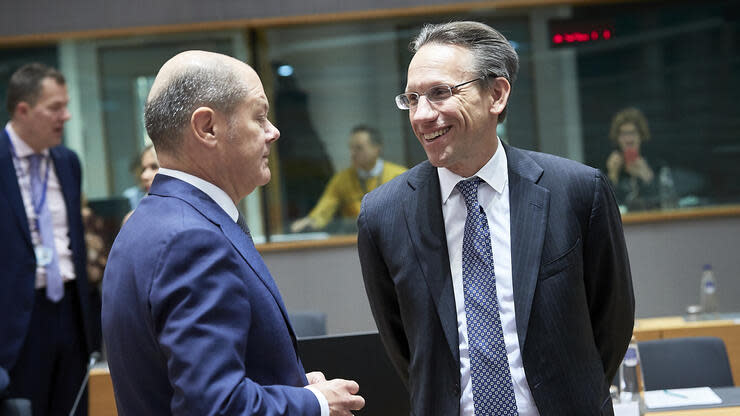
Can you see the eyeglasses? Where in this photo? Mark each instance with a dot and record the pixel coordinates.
(435, 94)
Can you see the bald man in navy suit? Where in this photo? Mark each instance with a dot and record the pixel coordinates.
(193, 321)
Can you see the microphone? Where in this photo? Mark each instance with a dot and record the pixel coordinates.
(94, 358)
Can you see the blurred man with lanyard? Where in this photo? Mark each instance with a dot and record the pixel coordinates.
(47, 331)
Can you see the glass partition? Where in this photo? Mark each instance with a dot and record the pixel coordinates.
(659, 103)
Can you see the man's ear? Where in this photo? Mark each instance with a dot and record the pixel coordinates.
(202, 125)
(21, 109)
(500, 90)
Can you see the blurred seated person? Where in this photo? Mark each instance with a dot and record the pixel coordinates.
(345, 190)
(137, 192)
(148, 167)
(97, 249)
(634, 181)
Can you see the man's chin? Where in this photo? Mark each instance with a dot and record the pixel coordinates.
(266, 176)
(436, 161)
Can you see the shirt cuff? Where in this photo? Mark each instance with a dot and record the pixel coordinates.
(323, 403)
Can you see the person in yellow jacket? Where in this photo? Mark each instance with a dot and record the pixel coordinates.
(345, 190)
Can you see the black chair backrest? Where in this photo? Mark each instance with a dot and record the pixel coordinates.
(684, 362)
(360, 357)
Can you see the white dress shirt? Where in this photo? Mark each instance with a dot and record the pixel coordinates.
(214, 192)
(54, 200)
(493, 196)
(377, 170)
(222, 199)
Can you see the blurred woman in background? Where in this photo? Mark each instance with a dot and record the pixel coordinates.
(633, 178)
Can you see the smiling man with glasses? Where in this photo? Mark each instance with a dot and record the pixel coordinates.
(498, 277)
(435, 94)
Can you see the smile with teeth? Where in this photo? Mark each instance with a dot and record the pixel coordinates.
(434, 135)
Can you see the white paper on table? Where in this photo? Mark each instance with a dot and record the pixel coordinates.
(627, 409)
(680, 397)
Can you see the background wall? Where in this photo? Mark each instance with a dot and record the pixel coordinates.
(327, 280)
(666, 260)
(359, 68)
(39, 17)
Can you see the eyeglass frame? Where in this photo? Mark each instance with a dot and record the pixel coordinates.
(398, 98)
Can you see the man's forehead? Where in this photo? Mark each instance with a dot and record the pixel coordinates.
(439, 63)
(441, 53)
(54, 89)
(360, 137)
(260, 101)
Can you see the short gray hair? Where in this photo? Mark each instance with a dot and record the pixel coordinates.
(493, 55)
(169, 111)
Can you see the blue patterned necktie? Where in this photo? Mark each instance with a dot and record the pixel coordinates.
(45, 228)
(493, 392)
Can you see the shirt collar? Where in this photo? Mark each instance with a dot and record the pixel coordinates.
(214, 192)
(22, 149)
(375, 171)
(494, 173)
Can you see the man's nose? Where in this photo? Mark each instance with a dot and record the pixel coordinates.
(423, 110)
(275, 133)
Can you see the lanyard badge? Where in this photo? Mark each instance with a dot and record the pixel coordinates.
(44, 255)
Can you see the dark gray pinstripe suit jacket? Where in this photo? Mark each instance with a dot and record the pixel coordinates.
(572, 284)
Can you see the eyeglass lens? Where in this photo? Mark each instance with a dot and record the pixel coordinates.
(435, 94)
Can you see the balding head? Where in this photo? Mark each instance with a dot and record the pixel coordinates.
(186, 82)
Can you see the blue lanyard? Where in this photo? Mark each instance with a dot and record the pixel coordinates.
(42, 200)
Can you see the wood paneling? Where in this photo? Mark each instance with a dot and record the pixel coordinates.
(100, 394)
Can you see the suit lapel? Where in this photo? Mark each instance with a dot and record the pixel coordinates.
(168, 186)
(423, 209)
(9, 184)
(528, 206)
(249, 252)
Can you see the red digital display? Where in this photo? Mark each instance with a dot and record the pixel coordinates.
(567, 32)
(580, 37)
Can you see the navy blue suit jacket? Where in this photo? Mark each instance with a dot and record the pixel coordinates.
(572, 285)
(17, 259)
(192, 320)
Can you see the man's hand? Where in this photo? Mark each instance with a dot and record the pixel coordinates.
(315, 377)
(305, 223)
(341, 394)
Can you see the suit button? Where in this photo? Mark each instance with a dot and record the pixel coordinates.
(456, 389)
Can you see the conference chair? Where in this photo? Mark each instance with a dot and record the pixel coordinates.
(674, 363)
(308, 323)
